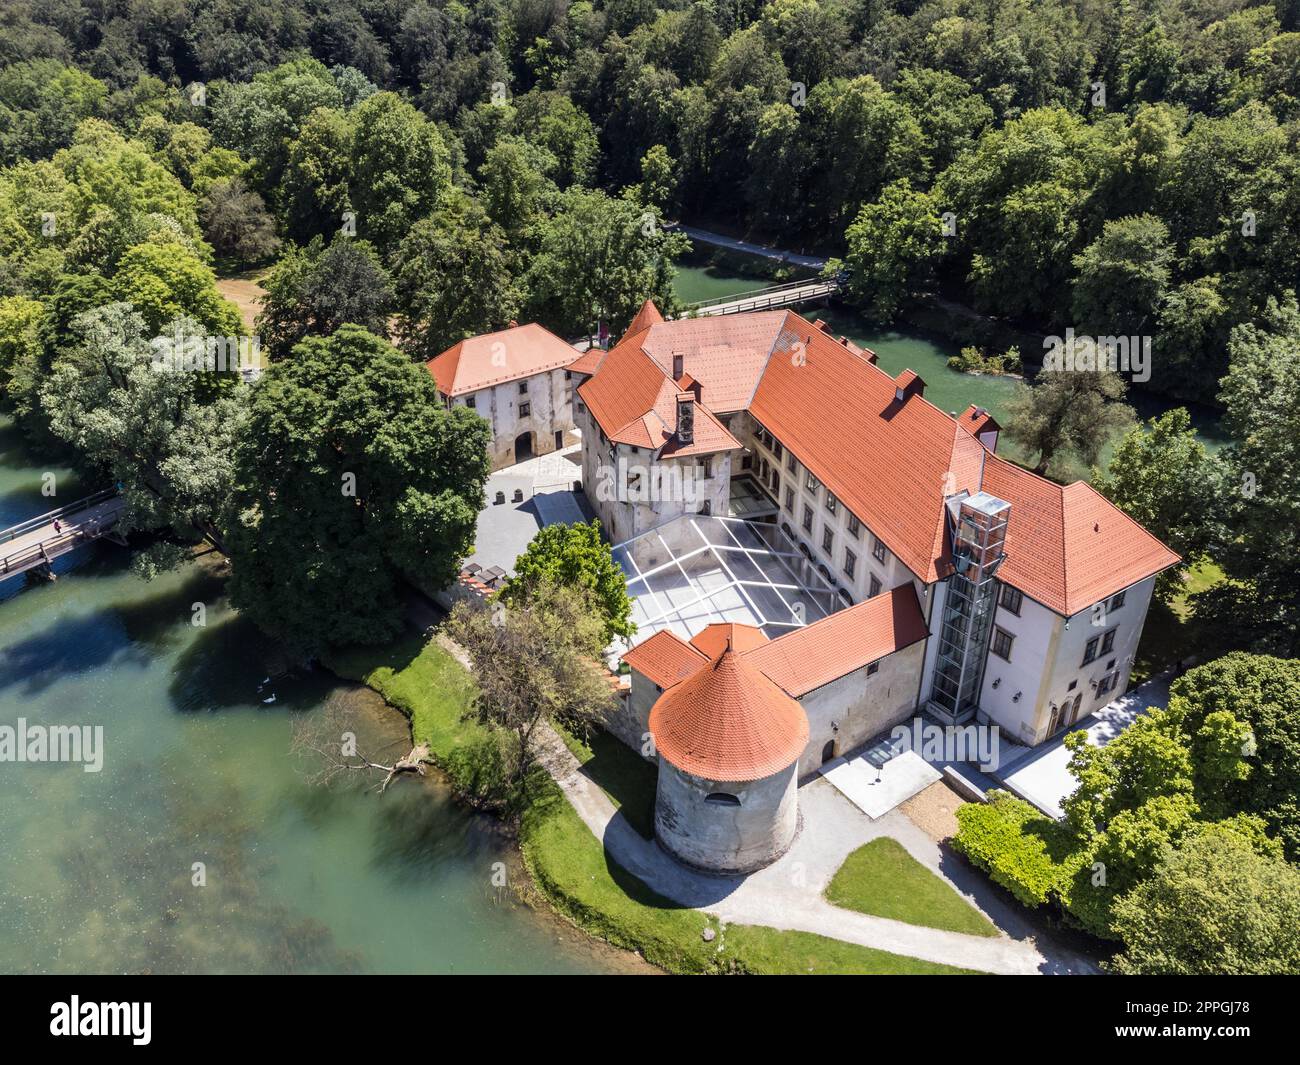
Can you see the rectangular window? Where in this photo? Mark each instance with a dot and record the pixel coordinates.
(789, 499)
(855, 527)
(708, 468)
(777, 449)
(878, 549)
(828, 539)
(850, 563)
(830, 501)
(470, 403)
(523, 388)
(1090, 651)
(875, 587)
(811, 483)
(525, 409)
(790, 463)
(1002, 641)
(807, 518)
(1011, 599)
(873, 669)
(1116, 601)
(1108, 642)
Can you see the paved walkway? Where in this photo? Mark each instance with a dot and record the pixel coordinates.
(1042, 774)
(704, 236)
(788, 893)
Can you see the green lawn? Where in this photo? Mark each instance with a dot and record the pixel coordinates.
(882, 879)
(567, 863)
(622, 774)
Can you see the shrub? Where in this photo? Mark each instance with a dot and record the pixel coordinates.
(1019, 847)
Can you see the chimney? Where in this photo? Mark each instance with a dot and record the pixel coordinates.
(686, 417)
(907, 384)
(679, 366)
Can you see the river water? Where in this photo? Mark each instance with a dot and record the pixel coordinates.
(97, 870)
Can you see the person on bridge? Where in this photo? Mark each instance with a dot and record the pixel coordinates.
(58, 527)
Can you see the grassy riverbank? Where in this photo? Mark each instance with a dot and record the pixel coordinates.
(568, 865)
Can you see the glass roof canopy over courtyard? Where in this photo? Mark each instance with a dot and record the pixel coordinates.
(696, 570)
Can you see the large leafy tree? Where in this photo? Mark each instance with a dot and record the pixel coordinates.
(454, 278)
(575, 555)
(893, 247)
(1214, 906)
(236, 222)
(1262, 694)
(535, 661)
(400, 167)
(164, 280)
(599, 259)
(1122, 277)
(315, 289)
(1262, 396)
(165, 435)
(1067, 417)
(351, 475)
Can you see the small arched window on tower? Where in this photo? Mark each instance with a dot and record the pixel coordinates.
(722, 798)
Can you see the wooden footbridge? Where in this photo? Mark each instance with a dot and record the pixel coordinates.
(766, 299)
(35, 543)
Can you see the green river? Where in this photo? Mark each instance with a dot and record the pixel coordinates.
(97, 869)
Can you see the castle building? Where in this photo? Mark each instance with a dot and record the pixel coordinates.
(519, 380)
(868, 555)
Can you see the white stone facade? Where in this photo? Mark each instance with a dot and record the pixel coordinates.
(529, 416)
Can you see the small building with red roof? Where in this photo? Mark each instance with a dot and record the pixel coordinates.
(521, 380)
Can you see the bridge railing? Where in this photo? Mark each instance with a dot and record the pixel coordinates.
(31, 524)
(767, 295)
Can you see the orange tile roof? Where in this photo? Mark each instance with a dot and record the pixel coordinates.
(1068, 546)
(835, 646)
(713, 638)
(976, 420)
(647, 316)
(728, 722)
(891, 463)
(665, 658)
(589, 361)
(496, 358)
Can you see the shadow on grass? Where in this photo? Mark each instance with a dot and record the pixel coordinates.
(625, 777)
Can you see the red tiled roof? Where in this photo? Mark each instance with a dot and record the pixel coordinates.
(647, 316)
(728, 722)
(835, 646)
(976, 420)
(1067, 545)
(713, 639)
(588, 361)
(665, 658)
(891, 462)
(495, 358)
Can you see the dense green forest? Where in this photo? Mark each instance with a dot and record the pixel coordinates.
(1123, 168)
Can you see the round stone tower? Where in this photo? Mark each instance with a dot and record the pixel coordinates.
(729, 741)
